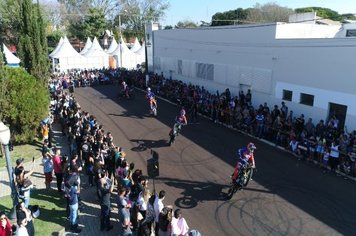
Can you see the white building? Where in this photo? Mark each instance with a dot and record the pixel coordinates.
(309, 66)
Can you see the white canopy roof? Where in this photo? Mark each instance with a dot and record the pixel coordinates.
(136, 45)
(57, 47)
(87, 46)
(67, 57)
(112, 47)
(141, 54)
(11, 59)
(96, 57)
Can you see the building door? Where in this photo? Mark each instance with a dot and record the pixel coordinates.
(339, 111)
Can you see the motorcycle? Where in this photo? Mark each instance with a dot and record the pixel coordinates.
(174, 133)
(244, 177)
(122, 94)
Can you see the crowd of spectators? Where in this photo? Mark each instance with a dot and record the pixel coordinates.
(95, 155)
(324, 142)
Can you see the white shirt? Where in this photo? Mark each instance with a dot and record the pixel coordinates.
(158, 206)
(21, 231)
(141, 202)
(334, 151)
(179, 226)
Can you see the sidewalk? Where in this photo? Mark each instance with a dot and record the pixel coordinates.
(37, 177)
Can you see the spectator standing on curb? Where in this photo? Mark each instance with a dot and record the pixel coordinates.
(73, 207)
(158, 206)
(179, 224)
(57, 165)
(334, 156)
(284, 110)
(21, 227)
(165, 218)
(48, 170)
(24, 184)
(124, 214)
(6, 228)
(105, 188)
(23, 212)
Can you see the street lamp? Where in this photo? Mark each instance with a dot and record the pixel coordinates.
(4, 140)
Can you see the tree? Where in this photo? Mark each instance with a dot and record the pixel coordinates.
(186, 24)
(135, 13)
(32, 47)
(24, 102)
(269, 12)
(324, 13)
(10, 21)
(82, 7)
(229, 17)
(93, 24)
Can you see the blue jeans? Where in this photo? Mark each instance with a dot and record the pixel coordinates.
(73, 214)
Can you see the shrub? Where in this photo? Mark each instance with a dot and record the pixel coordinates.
(24, 103)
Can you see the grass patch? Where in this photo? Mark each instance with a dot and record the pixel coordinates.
(52, 206)
(26, 151)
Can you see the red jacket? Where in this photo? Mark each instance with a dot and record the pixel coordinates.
(7, 231)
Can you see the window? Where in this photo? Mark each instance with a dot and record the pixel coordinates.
(306, 99)
(205, 71)
(351, 33)
(287, 95)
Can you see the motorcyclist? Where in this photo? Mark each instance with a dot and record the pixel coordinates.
(244, 155)
(125, 89)
(181, 119)
(151, 98)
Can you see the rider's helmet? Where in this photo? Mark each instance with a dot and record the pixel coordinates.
(251, 147)
(182, 112)
(148, 89)
(123, 83)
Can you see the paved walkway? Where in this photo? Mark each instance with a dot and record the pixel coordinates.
(37, 177)
(89, 217)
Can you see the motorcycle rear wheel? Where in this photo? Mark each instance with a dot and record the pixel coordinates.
(232, 190)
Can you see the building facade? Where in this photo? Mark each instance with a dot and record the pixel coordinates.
(310, 67)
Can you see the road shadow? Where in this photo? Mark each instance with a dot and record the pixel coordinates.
(144, 144)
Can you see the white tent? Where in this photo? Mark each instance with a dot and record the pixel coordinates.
(128, 58)
(57, 47)
(136, 45)
(141, 54)
(11, 59)
(67, 58)
(87, 46)
(96, 57)
(112, 47)
(116, 54)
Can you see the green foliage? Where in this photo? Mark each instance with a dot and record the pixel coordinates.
(186, 24)
(32, 48)
(135, 13)
(229, 17)
(324, 13)
(53, 39)
(24, 103)
(92, 25)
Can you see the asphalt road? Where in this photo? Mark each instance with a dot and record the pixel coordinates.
(286, 196)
